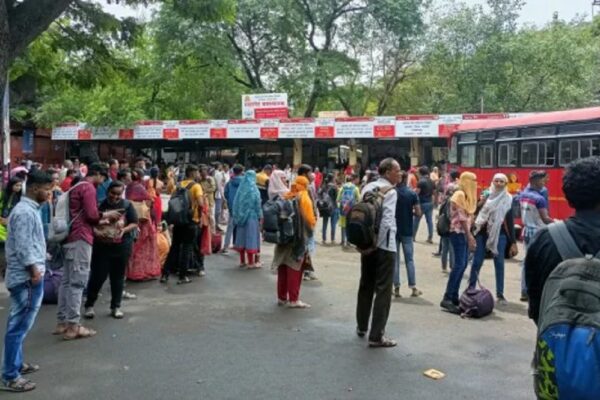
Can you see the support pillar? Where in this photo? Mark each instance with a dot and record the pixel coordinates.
(415, 151)
(297, 155)
(352, 154)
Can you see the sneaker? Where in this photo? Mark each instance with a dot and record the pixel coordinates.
(436, 254)
(430, 241)
(129, 296)
(524, 297)
(360, 334)
(311, 276)
(89, 313)
(397, 292)
(202, 273)
(501, 300)
(449, 306)
(416, 292)
(116, 313)
(164, 278)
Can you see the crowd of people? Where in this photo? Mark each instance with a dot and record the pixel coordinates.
(140, 223)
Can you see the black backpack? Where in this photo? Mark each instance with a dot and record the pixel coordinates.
(362, 226)
(443, 222)
(279, 221)
(324, 202)
(180, 206)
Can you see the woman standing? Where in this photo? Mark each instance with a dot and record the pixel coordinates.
(155, 188)
(462, 207)
(278, 184)
(144, 263)
(111, 252)
(247, 216)
(10, 197)
(494, 231)
(328, 196)
(289, 259)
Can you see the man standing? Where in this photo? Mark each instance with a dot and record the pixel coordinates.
(84, 215)
(230, 191)
(407, 207)
(377, 268)
(220, 193)
(534, 215)
(25, 267)
(262, 181)
(424, 189)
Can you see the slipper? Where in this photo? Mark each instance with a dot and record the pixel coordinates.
(18, 385)
(29, 369)
(384, 342)
(298, 304)
(81, 332)
(255, 266)
(60, 329)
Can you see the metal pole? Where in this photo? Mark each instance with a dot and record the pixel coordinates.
(5, 133)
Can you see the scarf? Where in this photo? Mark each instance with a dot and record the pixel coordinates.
(246, 204)
(466, 195)
(493, 213)
(277, 187)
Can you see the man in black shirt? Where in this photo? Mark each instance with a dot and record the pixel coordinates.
(425, 191)
(581, 185)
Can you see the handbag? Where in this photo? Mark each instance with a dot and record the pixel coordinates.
(109, 233)
(142, 210)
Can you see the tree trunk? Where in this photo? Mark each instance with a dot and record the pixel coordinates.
(4, 63)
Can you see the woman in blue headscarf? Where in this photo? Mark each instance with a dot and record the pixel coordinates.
(247, 217)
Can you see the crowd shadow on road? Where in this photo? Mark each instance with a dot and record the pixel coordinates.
(415, 301)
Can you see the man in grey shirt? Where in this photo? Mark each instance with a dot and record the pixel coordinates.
(377, 268)
(25, 259)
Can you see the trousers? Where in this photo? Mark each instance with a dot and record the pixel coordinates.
(76, 271)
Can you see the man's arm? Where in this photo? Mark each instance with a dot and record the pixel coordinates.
(541, 258)
(545, 216)
(22, 229)
(417, 206)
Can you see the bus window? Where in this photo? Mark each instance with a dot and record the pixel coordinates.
(593, 127)
(467, 155)
(543, 131)
(468, 137)
(452, 153)
(538, 154)
(507, 155)
(509, 134)
(486, 156)
(487, 136)
(574, 149)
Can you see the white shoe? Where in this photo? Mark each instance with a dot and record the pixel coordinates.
(89, 313)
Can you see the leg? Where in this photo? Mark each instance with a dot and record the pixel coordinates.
(366, 290)
(459, 243)
(282, 288)
(65, 283)
(324, 230)
(523, 283)
(117, 277)
(99, 272)
(334, 220)
(344, 242)
(416, 222)
(250, 259)
(218, 209)
(228, 233)
(294, 280)
(408, 250)
(429, 219)
(383, 294)
(397, 264)
(478, 258)
(79, 278)
(451, 253)
(499, 265)
(24, 306)
(444, 252)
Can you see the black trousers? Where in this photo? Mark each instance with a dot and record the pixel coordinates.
(108, 261)
(184, 253)
(376, 279)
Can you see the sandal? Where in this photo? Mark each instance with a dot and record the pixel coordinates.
(281, 303)
(384, 342)
(298, 304)
(80, 332)
(29, 368)
(18, 385)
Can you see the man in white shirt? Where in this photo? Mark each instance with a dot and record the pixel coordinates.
(377, 268)
(219, 194)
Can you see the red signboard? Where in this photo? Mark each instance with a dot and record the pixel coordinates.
(324, 132)
(171, 133)
(445, 130)
(416, 117)
(271, 113)
(269, 132)
(484, 116)
(384, 131)
(84, 134)
(126, 134)
(218, 133)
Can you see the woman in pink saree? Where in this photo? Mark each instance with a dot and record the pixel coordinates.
(144, 263)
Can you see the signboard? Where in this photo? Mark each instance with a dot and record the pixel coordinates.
(65, 131)
(170, 130)
(264, 106)
(269, 129)
(148, 130)
(384, 127)
(194, 129)
(27, 146)
(126, 134)
(417, 126)
(243, 129)
(297, 128)
(218, 129)
(354, 127)
(324, 128)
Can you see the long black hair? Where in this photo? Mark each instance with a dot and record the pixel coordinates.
(10, 199)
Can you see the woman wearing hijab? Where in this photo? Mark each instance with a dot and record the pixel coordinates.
(247, 216)
(143, 263)
(463, 204)
(278, 185)
(494, 231)
(289, 259)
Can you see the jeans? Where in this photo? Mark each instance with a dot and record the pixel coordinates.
(461, 256)
(108, 261)
(334, 220)
(376, 278)
(427, 209)
(408, 250)
(228, 233)
(25, 302)
(525, 246)
(447, 252)
(479, 258)
(344, 237)
(76, 271)
(218, 210)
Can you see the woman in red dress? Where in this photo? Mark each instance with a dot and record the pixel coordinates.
(143, 263)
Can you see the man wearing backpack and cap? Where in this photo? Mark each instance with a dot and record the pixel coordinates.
(377, 267)
(577, 295)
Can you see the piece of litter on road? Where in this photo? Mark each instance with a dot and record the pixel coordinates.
(200, 381)
(296, 329)
(349, 389)
(126, 367)
(434, 374)
(114, 335)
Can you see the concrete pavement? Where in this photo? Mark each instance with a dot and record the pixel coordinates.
(223, 337)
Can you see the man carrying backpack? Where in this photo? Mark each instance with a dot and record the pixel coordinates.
(567, 312)
(377, 267)
(183, 254)
(346, 198)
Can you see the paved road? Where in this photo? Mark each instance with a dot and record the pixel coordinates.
(223, 337)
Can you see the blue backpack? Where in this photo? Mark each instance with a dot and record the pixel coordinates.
(347, 199)
(567, 357)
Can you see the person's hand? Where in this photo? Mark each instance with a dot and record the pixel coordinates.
(111, 215)
(472, 243)
(36, 275)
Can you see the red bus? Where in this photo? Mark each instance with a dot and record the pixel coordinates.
(516, 146)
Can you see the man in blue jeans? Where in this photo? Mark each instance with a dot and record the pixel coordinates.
(425, 189)
(25, 268)
(407, 206)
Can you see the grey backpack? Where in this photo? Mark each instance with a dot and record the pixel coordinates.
(567, 357)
